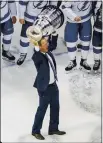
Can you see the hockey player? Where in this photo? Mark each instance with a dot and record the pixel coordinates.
(97, 34)
(78, 15)
(7, 19)
(28, 12)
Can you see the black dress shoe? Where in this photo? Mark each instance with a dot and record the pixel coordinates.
(38, 136)
(57, 133)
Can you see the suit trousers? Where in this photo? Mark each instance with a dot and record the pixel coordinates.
(49, 96)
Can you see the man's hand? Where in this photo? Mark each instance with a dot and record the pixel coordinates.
(14, 19)
(22, 21)
(35, 43)
(77, 19)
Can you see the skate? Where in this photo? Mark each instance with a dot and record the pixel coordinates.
(96, 66)
(71, 66)
(7, 56)
(21, 59)
(84, 65)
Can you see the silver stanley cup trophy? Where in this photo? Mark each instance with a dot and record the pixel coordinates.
(50, 19)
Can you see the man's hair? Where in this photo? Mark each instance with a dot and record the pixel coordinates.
(39, 42)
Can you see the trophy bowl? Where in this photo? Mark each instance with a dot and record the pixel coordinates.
(34, 32)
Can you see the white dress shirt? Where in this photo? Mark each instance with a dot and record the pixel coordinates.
(52, 78)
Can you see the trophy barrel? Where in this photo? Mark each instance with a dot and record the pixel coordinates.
(50, 19)
(54, 14)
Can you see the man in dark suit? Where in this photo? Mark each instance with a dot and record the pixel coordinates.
(47, 88)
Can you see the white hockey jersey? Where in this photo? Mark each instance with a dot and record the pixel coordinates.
(29, 10)
(8, 9)
(77, 8)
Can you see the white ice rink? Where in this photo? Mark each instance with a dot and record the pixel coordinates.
(79, 113)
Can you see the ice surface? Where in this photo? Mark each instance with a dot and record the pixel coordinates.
(19, 100)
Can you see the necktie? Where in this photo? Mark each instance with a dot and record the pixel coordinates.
(52, 66)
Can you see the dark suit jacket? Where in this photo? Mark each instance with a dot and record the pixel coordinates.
(43, 71)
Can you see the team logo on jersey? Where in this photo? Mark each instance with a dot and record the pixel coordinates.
(82, 6)
(40, 4)
(2, 4)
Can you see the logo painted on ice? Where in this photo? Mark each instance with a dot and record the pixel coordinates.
(2, 4)
(83, 6)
